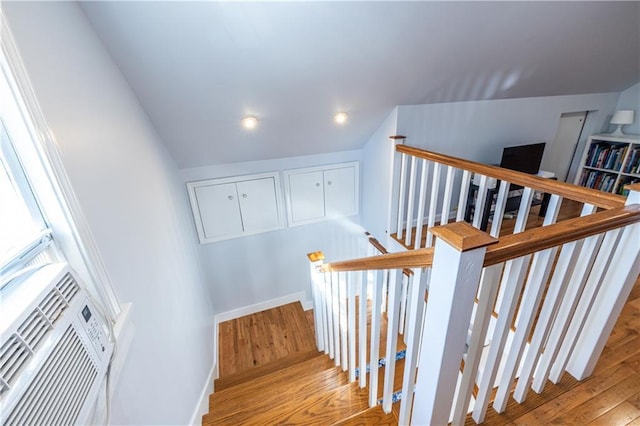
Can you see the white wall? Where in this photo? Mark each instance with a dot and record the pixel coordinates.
(630, 99)
(253, 269)
(478, 130)
(130, 192)
(475, 130)
(377, 157)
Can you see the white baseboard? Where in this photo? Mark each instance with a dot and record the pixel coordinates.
(203, 406)
(306, 304)
(262, 306)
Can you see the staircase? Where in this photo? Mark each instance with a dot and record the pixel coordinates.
(510, 315)
(304, 387)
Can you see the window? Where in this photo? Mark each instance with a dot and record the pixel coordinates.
(40, 218)
(23, 231)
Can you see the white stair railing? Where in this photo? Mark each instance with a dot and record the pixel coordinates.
(495, 303)
(578, 311)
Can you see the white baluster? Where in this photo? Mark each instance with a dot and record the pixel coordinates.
(362, 335)
(452, 291)
(352, 282)
(342, 277)
(375, 339)
(316, 284)
(335, 293)
(512, 280)
(487, 295)
(538, 277)
(421, 201)
(401, 195)
(448, 192)
(620, 278)
(403, 302)
(392, 337)
(593, 285)
(416, 317)
(501, 202)
(433, 203)
(557, 286)
(412, 190)
(464, 192)
(480, 200)
(329, 313)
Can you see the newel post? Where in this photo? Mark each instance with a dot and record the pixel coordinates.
(316, 259)
(620, 277)
(457, 266)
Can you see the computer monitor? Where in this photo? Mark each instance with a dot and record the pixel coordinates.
(523, 158)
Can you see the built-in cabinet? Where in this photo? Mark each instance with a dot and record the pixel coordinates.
(319, 193)
(609, 163)
(236, 206)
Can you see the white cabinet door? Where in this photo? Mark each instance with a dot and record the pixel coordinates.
(219, 210)
(236, 206)
(258, 205)
(340, 192)
(306, 195)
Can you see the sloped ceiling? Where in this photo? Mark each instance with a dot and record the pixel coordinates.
(199, 67)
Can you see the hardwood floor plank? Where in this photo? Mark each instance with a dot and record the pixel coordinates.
(576, 396)
(268, 368)
(264, 337)
(620, 415)
(371, 417)
(596, 407)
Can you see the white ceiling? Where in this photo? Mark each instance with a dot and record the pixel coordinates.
(198, 67)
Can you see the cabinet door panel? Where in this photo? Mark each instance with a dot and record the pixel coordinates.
(340, 191)
(306, 191)
(219, 210)
(258, 204)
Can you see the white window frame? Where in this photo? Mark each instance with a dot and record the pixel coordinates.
(58, 202)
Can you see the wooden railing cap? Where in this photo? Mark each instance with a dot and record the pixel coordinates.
(462, 236)
(315, 256)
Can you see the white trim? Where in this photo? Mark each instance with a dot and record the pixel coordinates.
(258, 307)
(123, 331)
(203, 406)
(307, 304)
(81, 235)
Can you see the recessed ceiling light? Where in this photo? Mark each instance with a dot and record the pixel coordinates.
(341, 117)
(249, 122)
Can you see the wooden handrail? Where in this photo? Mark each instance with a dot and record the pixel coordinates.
(419, 258)
(578, 193)
(383, 250)
(508, 247)
(537, 239)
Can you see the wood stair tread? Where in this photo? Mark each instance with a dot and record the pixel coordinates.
(302, 371)
(320, 408)
(235, 408)
(263, 370)
(373, 416)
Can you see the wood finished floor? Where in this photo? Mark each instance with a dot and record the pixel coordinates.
(265, 337)
(611, 396)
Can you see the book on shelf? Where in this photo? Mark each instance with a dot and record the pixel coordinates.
(606, 156)
(633, 162)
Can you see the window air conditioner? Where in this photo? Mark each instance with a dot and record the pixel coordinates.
(54, 349)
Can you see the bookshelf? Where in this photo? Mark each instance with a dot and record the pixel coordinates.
(609, 163)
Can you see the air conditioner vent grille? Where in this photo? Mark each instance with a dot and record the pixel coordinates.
(57, 393)
(19, 348)
(34, 328)
(68, 287)
(13, 355)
